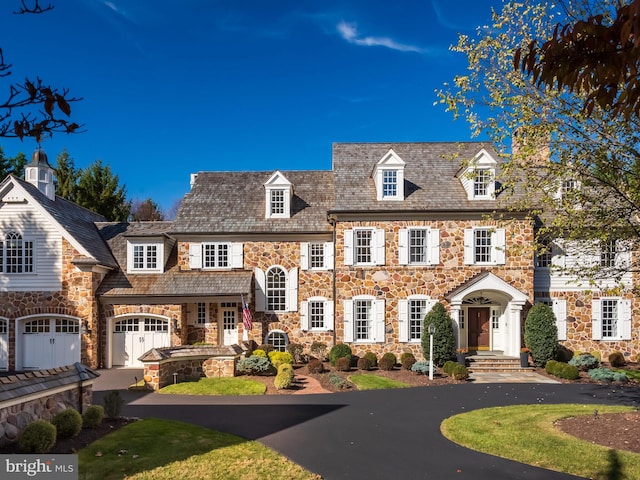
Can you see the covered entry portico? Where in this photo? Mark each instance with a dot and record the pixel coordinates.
(487, 314)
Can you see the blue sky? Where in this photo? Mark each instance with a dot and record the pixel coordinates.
(174, 87)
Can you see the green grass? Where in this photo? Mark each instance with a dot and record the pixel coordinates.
(217, 386)
(526, 433)
(169, 450)
(366, 381)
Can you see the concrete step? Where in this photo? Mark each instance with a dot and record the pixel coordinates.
(495, 363)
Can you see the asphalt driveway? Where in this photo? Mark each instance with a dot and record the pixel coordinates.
(383, 434)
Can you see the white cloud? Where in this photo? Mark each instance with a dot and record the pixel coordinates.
(349, 32)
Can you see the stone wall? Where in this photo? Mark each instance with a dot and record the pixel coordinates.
(160, 374)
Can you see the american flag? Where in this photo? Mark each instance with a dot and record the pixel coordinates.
(247, 320)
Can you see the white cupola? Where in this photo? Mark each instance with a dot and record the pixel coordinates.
(40, 174)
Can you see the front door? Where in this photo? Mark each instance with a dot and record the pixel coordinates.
(229, 326)
(479, 328)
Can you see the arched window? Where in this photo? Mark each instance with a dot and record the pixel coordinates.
(18, 254)
(276, 290)
(278, 339)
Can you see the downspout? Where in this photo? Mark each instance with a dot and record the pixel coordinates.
(332, 222)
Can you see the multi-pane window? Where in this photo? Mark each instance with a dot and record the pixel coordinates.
(608, 254)
(65, 325)
(569, 186)
(201, 313)
(127, 325)
(417, 311)
(609, 318)
(482, 245)
(18, 254)
(363, 240)
(42, 325)
(543, 255)
(145, 257)
(481, 182)
(363, 319)
(389, 183)
(155, 325)
(276, 290)
(461, 318)
(495, 319)
(418, 245)
(277, 202)
(316, 255)
(215, 255)
(316, 314)
(278, 339)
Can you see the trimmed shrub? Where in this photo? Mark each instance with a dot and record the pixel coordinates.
(550, 367)
(584, 362)
(319, 350)
(339, 350)
(296, 350)
(616, 360)
(92, 417)
(68, 423)
(421, 368)
(386, 363)
(406, 355)
(564, 354)
(364, 363)
(254, 365)
(343, 364)
(339, 382)
(286, 368)
(408, 362)
(113, 404)
(566, 371)
(373, 358)
(282, 381)
(277, 358)
(315, 366)
(541, 334)
(38, 437)
(448, 366)
(259, 352)
(606, 375)
(459, 372)
(391, 357)
(444, 341)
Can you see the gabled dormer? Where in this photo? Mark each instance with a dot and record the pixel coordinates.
(278, 195)
(148, 253)
(479, 177)
(388, 175)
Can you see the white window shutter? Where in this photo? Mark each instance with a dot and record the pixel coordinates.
(304, 316)
(596, 320)
(434, 246)
(403, 320)
(328, 255)
(304, 256)
(403, 246)
(292, 290)
(625, 319)
(468, 246)
(328, 315)
(379, 321)
(499, 246)
(237, 256)
(261, 284)
(348, 321)
(348, 247)
(560, 311)
(195, 255)
(380, 247)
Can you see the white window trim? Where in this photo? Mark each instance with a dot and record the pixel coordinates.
(291, 287)
(498, 246)
(305, 315)
(623, 320)
(378, 320)
(377, 247)
(432, 247)
(159, 256)
(207, 319)
(286, 337)
(389, 162)
(234, 249)
(3, 254)
(404, 324)
(305, 256)
(277, 181)
(482, 161)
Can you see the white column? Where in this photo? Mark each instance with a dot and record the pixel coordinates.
(455, 316)
(514, 328)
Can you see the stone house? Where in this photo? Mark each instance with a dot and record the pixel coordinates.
(356, 254)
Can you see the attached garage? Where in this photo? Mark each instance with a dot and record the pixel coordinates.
(48, 342)
(133, 336)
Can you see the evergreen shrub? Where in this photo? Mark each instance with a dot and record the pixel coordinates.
(606, 375)
(444, 342)
(339, 382)
(319, 350)
(37, 437)
(448, 366)
(408, 361)
(296, 350)
(259, 352)
(421, 368)
(616, 360)
(372, 358)
(343, 364)
(113, 404)
(364, 364)
(92, 417)
(584, 362)
(277, 358)
(459, 372)
(68, 423)
(254, 365)
(541, 334)
(315, 366)
(339, 350)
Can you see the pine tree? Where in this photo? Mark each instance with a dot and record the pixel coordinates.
(66, 176)
(99, 190)
(444, 341)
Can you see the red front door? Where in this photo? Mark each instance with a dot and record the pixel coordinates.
(478, 328)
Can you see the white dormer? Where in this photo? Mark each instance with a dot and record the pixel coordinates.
(479, 177)
(388, 175)
(278, 195)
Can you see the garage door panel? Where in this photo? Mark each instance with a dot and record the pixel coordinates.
(133, 337)
(50, 343)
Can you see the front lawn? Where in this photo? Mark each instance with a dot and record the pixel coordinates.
(157, 449)
(366, 381)
(217, 386)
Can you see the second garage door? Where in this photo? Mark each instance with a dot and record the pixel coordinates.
(134, 336)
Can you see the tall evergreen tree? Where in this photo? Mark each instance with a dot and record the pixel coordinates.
(5, 165)
(66, 176)
(17, 165)
(444, 340)
(99, 190)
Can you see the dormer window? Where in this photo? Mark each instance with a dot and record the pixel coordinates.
(278, 196)
(478, 178)
(388, 175)
(481, 182)
(145, 256)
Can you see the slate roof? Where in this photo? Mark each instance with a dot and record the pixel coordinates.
(234, 202)
(171, 283)
(76, 220)
(432, 180)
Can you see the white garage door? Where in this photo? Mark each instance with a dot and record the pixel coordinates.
(50, 343)
(132, 337)
(4, 344)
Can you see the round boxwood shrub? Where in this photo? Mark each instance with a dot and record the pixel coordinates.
(616, 360)
(606, 375)
(584, 362)
(38, 437)
(68, 423)
(339, 350)
(459, 372)
(372, 358)
(448, 366)
(315, 366)
(408, 361)
(550, 366)
(566, 371)
(343, 364)
(444, 341)
(541, 334)
(364, 363)
(391, 357)
(92, 417)
(421, 368)
(386, 363)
